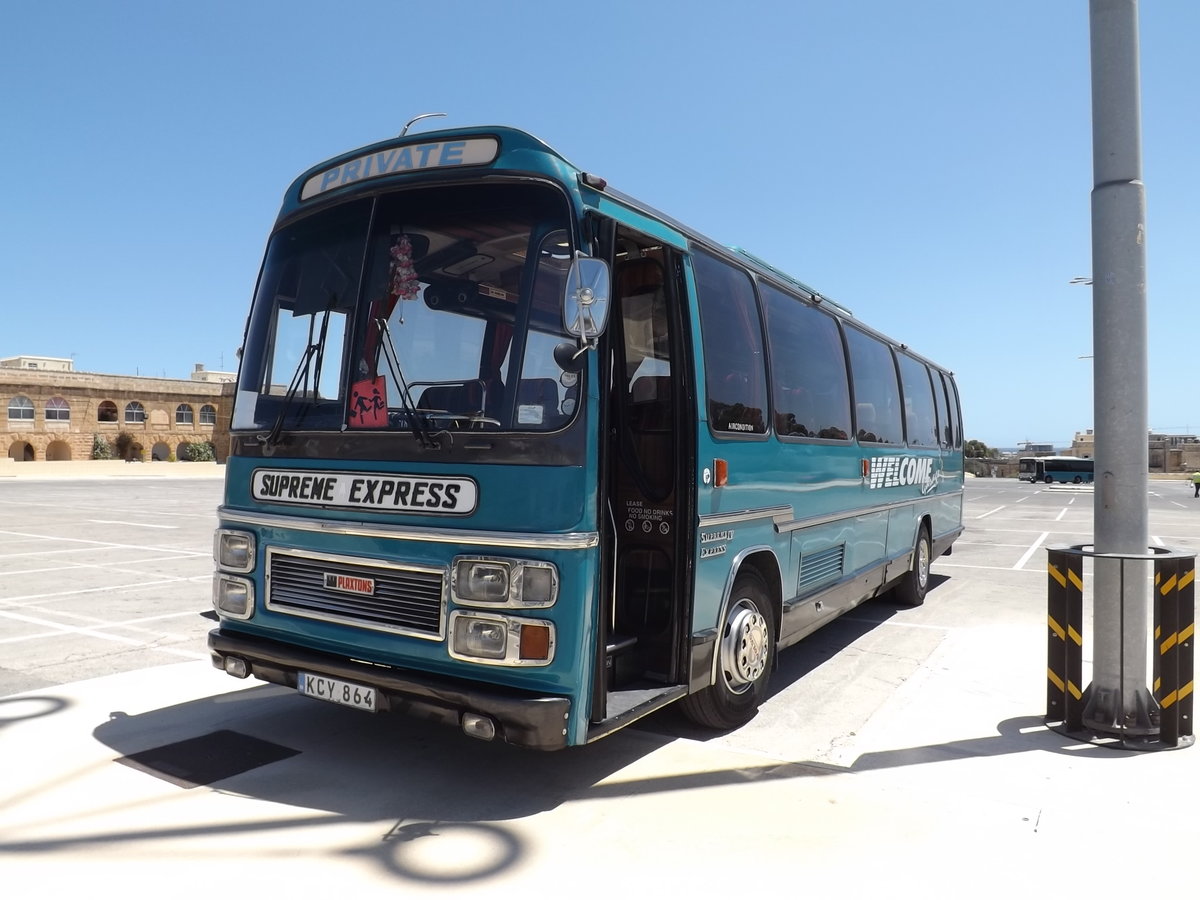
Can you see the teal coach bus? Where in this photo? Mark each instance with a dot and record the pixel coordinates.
(514, 452)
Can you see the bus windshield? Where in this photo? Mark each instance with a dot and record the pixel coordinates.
(429, 310)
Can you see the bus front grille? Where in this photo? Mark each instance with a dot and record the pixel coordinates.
(364, 593)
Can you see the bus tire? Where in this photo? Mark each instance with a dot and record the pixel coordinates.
(914, 586)
(1078, 480)
(1048, 479)
(745, 656)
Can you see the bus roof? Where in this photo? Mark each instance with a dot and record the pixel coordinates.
(506, 148)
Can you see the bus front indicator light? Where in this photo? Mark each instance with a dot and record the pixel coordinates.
(535, 642)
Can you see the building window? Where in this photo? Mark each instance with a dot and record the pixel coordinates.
(135, 413)
(208, 414)
(20, 408)
(58, 410)
(106, 412)
(184, 415)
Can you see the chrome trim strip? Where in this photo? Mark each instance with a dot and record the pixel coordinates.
(581, 540)
(783, 526)
(778, 513)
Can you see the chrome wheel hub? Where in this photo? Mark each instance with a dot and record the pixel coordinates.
(745, 647)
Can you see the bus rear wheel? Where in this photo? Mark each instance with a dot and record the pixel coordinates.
(1048, 479)
(745, 655)
(914, 586)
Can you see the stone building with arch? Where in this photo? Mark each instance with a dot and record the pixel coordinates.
(54, 413)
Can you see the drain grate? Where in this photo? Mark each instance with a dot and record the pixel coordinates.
(207, 759)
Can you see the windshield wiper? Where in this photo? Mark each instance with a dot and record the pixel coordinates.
(313, 353)
(417, 420)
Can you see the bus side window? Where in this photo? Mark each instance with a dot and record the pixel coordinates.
(954, 431)
(919, 406)
(735, 375)
(944, 433)
(874, 375)
(809, 390)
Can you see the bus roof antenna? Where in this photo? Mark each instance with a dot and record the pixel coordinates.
(409, 123)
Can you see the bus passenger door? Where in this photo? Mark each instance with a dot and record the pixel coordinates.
(648, 452)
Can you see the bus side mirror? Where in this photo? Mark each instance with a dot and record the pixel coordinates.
(585, 299)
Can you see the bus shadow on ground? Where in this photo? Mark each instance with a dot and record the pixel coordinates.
(381, 763)
(416, 785)
(798, 661)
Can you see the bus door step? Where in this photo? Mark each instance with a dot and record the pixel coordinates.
(629, 705)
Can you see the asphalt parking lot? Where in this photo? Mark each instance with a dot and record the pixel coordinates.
(901, 749)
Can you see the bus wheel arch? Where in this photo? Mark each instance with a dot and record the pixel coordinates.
(914, 585)
(747, 643)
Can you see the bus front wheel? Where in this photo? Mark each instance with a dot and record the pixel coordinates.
(912, 588)
(745, 655)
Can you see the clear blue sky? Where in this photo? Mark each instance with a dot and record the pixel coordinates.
(926, 163)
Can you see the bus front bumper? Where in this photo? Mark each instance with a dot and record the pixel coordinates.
(521, 718)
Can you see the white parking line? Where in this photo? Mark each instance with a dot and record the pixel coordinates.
(1032, 550)
(104, 567)
(14, 601)
(134, 524)
(59, 629)
(989, 512)
(949, 565)
(91, 622)
(114, 544)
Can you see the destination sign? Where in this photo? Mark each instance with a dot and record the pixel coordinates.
(361, 490)
(476, 151)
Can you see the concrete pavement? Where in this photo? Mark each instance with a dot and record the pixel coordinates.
(902, 753)
(954, 787)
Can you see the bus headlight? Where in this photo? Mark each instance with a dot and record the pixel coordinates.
(501, 640)
(233, 596)
(503, 582)
(234, 550)
(480, 638)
